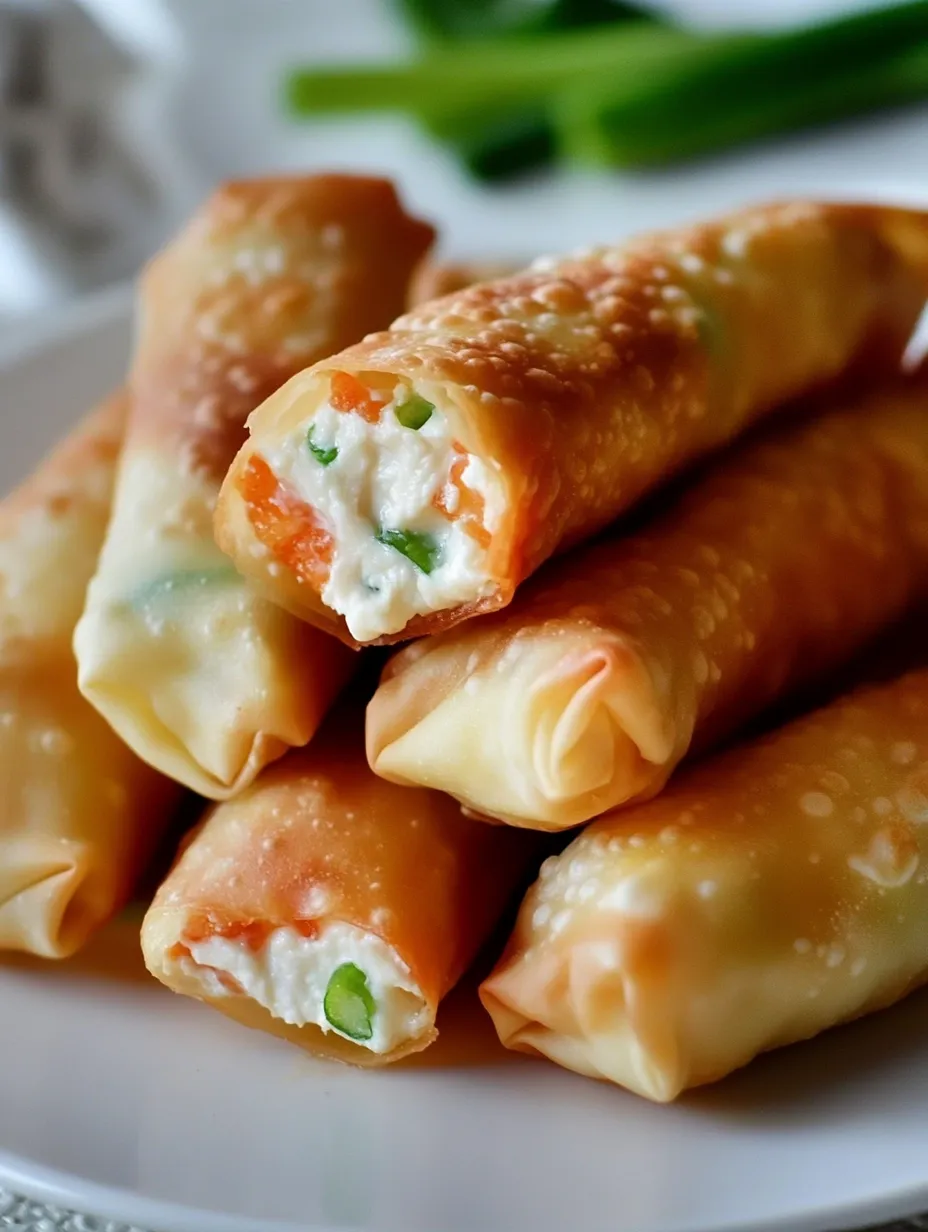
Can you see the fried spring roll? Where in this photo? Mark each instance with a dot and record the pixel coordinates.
(451, 455)
(765, 896)
(611, 664)
(330, 907)
(79, 813)
(203, 678)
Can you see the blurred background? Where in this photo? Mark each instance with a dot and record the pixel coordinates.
(519, 125)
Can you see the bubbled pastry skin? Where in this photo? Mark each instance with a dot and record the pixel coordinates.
(586, 382)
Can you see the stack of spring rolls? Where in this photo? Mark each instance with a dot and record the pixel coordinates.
(538, 476)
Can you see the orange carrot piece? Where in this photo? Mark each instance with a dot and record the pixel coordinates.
(286, 525)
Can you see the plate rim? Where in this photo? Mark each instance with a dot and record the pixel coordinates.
(56, 1187)
(42, 1183)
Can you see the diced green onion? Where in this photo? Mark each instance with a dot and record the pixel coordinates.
(348, 1004)
(325, 456)
(423, 550)
(414, 412)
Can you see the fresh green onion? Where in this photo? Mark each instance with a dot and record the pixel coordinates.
(753, 88)
(414, 412)
(422, 549)
(348, 1004)
(325, 456)
(494, 147)
(466, 20)
(522, 72)
(509, 84)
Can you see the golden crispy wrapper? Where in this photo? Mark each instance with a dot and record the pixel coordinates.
(79, 813)
(202, 677)
(319, 841)
(765, 896)
(611, 664)
(582, 384)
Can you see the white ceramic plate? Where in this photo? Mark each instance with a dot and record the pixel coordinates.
(118, 1098)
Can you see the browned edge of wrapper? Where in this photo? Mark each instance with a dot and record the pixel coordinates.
(164, 935)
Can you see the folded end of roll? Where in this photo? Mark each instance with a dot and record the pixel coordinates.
(542, 731)
(209, 688)
(50, 900)
(576, 1007)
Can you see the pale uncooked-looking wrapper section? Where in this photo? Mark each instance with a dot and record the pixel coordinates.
(330, 907)
(613, 662)
(534, 410)
(79, 813)
(201, 676)
(767, 895)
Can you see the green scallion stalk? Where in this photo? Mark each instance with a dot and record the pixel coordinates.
(499, 146)
(450, 82)
(769, 85)
(415, 412)
(632, 93)
(467, 20)
(422, 549)
(890, 83)
(348, 1004)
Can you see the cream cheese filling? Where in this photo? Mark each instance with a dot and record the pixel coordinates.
(382, 478)
(290, 974)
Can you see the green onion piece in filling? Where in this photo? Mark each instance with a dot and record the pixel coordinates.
(421, 549)
(325, 456)
(414, 412)
(348, 1003)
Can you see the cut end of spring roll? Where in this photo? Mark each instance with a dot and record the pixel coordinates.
(330, 907)
(770, 571)
(416, 479)
(378, 506)
(762, 898)
(79, 813)
(338, 991)
(202, 676)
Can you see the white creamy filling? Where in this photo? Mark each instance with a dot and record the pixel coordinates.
(290, 973)
(385, 477)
